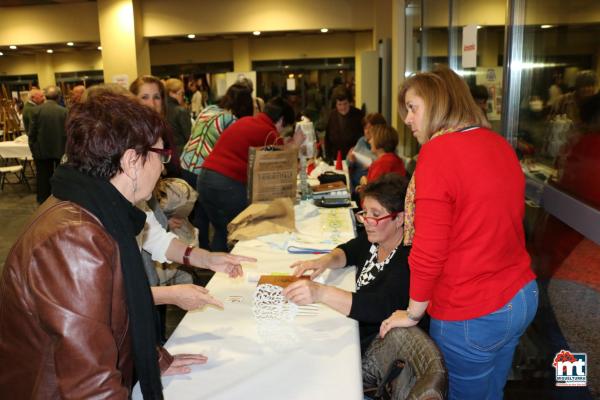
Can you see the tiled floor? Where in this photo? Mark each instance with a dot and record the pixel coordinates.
(558, 323)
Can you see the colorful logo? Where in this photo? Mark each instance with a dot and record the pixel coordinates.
(571, 368)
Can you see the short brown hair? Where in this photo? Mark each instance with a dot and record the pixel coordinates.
(384, 137)
(102, 128)
(447, 98)
(341, 93)
(374, 119)
(389, 190)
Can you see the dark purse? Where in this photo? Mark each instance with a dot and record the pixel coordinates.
(330, 176)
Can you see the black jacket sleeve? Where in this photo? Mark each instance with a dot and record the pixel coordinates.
(356, 250)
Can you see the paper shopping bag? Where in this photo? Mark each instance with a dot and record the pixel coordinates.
(272, 173)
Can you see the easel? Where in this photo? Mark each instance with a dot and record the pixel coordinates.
(9, 120)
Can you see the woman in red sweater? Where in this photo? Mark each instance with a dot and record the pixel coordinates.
(469, 266)
(222, 180)
(384, 140)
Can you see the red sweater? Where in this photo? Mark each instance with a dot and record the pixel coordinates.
(388, 162)
(230, 154)
(468, 256)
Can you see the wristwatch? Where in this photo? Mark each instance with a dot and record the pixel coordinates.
(186, 255)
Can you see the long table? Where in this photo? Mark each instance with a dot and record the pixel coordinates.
(15, 149)
(311, 357)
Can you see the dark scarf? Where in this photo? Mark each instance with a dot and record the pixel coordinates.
(123, 222)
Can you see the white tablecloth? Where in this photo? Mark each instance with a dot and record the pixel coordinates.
(312, 357)
(14, 149)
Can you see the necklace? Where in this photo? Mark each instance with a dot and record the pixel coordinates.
(384, 253)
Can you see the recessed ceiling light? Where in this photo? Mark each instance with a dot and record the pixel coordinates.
(256, 33)
(70, 44)
(191, 36)
(324, 30)
(99, 47)
(479, 26)
(49, 51)
(546, 26)
(1, 54)
(12, 47)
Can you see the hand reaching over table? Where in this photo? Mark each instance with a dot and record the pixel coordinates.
(181, 363)
(185, 296)
(303, 292)
(226, 263)
(317, 266)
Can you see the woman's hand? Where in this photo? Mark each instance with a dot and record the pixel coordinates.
(399, 319)
(303, 292)
(317, 266)
(190, 297)
(227, 263)
(181, 363)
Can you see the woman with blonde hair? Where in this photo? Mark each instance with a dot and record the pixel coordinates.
(464, 218)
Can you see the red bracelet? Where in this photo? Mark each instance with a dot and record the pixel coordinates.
(186, 255)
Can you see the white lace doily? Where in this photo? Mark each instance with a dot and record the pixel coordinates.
(270, 304)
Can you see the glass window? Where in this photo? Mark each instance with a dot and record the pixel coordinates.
(559, 69)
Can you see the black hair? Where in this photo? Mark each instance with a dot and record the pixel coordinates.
(238, 99)
(277, 108)
(389, 190)
(480, 92)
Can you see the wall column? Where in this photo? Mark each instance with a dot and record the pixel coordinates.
(241, 55)
(125, 52)
(398, 62)
(45, 70)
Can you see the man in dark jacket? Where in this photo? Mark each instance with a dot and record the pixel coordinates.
(344, 127)
(36, 97)
(47, 139)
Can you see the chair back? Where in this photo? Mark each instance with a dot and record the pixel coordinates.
(406, 364)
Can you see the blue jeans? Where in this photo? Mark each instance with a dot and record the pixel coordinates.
(222, 199)
(479, 352)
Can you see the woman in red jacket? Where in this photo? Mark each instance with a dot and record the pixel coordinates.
(383, 141)
(469, 266)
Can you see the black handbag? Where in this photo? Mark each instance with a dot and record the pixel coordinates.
(330, 176)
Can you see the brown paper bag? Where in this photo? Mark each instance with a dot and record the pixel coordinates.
(272, 173)
(263, 219)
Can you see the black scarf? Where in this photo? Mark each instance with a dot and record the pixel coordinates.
(123, 222)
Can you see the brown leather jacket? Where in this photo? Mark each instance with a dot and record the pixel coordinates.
(63, 317)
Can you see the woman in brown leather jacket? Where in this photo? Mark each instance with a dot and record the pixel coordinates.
(76, 312)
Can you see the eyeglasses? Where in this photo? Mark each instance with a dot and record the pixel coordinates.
(163, 154)
(363, 219)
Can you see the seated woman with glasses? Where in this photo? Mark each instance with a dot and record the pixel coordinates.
(382, 274)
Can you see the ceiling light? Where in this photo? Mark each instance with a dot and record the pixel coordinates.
(256, 33)
(70, 44)
(546, 26)
(49, 51)
(324, 30)
(12, 47)
(479, 26)
(1, 54)
(99, 47)
(191, 36)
